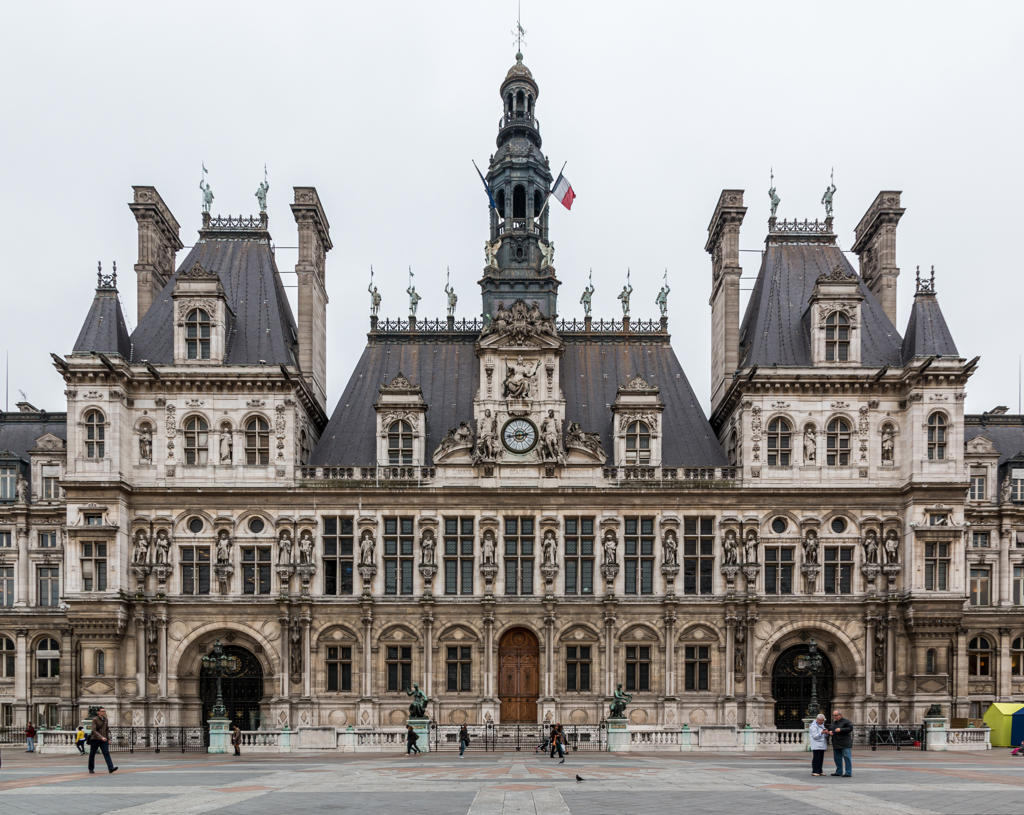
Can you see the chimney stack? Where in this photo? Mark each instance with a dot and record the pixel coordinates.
(724, 247)
(314, 244)
(875, 245)
(158, 243)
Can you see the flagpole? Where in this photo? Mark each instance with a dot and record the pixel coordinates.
(548, 196)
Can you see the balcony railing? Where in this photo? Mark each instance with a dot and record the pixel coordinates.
(672, 476)
(519, 120)
(527, 225)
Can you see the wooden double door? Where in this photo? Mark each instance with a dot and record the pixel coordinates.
(518, 676)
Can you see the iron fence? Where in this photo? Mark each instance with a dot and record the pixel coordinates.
(175, 739)
(516, 737)
(897, 737)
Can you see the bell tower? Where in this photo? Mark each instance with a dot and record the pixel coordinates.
(519, 254)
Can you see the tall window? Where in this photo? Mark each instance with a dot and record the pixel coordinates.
(837, 442)
(979, 657)
(197, 334)
(338, 540)
(1017, 485)
(980, 540)
(519, 555)
(838, 569)
(256, 570)
(778, 570)
(458, 666)
(94, 566)
(6, 586)
(195, 569)
(638, 443)
(197, 440)
(698, 666)
(8, 482)
(458, 555)
(577, 668)
(779, 442)
(1018, 585)
(977, 492)
(47, 658)
(257, 441)
(1017, 657)
(638, 544)
(398, 544)
(5, 539)
(99, 663)
(400, 442)
(980, 585)
(7, 655)
(399, 665)
(929, 661)
(837, 337)
(95, 432)
(579, 555)
(698, 555)
(49, 585)
(638, 667)
(339, 668)
(936, 437)
(936, 566)
(47, 540)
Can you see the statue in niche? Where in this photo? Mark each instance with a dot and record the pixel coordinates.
(548, 547)
(550, 438)
(880, 634)
(519, 379)
(146, 443)
(226, 444)
(730, 548)
(366, 547)
(811, 546)
(547, 253)
(888, 444)
(284, 547)
(305, 546)
(810, 444)
(671, 546)
(871, 546)
(740, 656)
(295, 651)
(750, 547)
(223, 547)
(488, 545)
(892, 546)
(610, 544)
(140, 550)
(21, 488)
(588, 295)
(428, 547)
(163, 547)
(487, 438)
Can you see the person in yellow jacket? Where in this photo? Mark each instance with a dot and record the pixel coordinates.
(80, 739)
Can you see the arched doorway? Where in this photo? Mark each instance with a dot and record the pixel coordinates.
(242, 689)
(791, 687)
(519, 676)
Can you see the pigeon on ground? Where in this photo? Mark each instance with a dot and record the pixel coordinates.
(578, 778)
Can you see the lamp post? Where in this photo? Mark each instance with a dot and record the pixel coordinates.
(812, 664)
(219, 663)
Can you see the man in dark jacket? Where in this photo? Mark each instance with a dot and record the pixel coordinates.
(99, 739)
(842, 744)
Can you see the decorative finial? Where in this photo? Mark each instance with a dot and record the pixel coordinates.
(106, 281)
(374, 296)
(925, 286)
(772, 195)
(453, 298)
(519, 32)
(261, 191)
(830, 190)
(204, 186)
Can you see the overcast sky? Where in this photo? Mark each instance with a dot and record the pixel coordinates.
(381, 105)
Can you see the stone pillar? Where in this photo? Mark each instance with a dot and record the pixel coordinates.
(162, 645)
(140, 654)
(1003, 675)
(307, 675)
(367, 653)
(960, 662)
(428, 655)
(314, 244)
(158, 242)
(869, 645)
(284, 688)
(618, 735)
(609, 655)
(730, 656)
(1005, 570)
(24, 591)
(549, 655)
(875, 246)
(23, 666)
(890, 658)
(751, 668)
(935, 732)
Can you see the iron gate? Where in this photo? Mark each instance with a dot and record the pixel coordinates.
(516, 737)
(176, 739)
(897, 737)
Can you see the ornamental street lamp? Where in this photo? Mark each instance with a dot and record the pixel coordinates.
(218, 663)
(811, 663)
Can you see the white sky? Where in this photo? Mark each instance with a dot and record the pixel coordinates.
(381, 106)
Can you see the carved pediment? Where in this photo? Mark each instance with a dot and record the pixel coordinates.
(48, 441)
(982, 446)
(197, 272)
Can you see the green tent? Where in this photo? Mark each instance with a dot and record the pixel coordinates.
(999, 717)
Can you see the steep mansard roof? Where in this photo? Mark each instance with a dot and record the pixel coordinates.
(104, 330)
(775, 330)
(447, 371)
(1005, 431)
(927, 332)
(19, 431)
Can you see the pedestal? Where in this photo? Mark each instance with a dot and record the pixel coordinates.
(220, 735)
(421, 727)
(686, 739)
(807, 733)
(935, 732)
(749, 739)
(618, 735)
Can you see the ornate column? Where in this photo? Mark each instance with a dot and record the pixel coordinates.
(23, 593)
(283, 688)
(367, 652)
(1005, 570)
(730, 658)
(670, 646)
(960, 669)
(752, 618)
(487, 608)
(428, 650)
(869, 646)
(890, 657)
(1003, 676)
(140, 654)
(21, 672)
(162, 646)
(307, 663)
(609, 646)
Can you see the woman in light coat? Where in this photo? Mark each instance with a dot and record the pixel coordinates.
(818, 744)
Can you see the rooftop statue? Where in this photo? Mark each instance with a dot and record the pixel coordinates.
(204, 185)
(826, 199)
(774, 197)
(262, 190)
(588, 294)
(662, 298)
(374, 296)
(414, 297)
(627, 290)
(453, 298)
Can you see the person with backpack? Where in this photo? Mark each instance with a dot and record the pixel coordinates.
(30, 738)
(463, 739)
(411, 738)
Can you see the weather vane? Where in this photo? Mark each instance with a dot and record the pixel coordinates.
(519, 32)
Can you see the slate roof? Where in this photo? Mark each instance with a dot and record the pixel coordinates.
(19, 431)
(774, 330)
(927, 332)
(447, 372)
(104, 330)
(260, 325)
(1005, 431)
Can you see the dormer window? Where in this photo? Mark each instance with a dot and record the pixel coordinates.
(197, 334)
(936, 437)
(400, 442)
(838, 443)
(779, 443)
(638, 443)
(837, 337)
(197, 440)
(95, 432)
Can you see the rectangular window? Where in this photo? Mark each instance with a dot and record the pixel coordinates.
(1017, 487)
(638, 667)
(399, 663)
(51, 482)
(195, 569)
(256, 570)
(936, 566)
(977, 490)
(93, 519)
(519, 555)
(698, 666)
(579, 555)
(980, 540)
(6, 715)
(47, 667)
(458, 666)
(778, 570)
(339, 563)
(1018, 585)
(339, 668)
(577, 668)
(980, 585)
(398, 562)
(8, 482)
(5, 539)
(49, 586)
(6, 586)
(638, 543)
(458, 555)
(94, 566)
(47, 540)
(838, 569)
(698, 555)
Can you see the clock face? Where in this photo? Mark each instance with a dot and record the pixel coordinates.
(519, 435)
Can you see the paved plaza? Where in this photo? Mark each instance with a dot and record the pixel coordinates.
(890, 783)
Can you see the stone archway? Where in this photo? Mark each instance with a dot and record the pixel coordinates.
(519, 676)
(242, 689)
(791, 687)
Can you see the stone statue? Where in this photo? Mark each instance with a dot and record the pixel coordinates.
(550, 438)
(374, 296)
(826, 199)
(204, 186)
(491, 252)
(892, 547)
(888, 444)
(774, 198)
(519, 379)
(880, 634)
(163, 547)
(617, 709)
(21, 488)
(223, 547)
(624, 295)
(730, 548)
(284, 547)
(428, 547)
(146, 444)
(811, 546)
(671, 546)
(455, 437)
(1006, 491)
(487, 438)
(414, 297)
(140, 551)
(418, 707)
(871, 546)
(226, 444)
(453, 298)
(548, 547)
(488, 546)
(591, 442)
(750, 547)
(547, 252)
(588, 294)
(610, 544)
(740, 656)
(810, 444)
(262, 190)
(662, 298)
(295, 651)
(305, 546)
(366, 547)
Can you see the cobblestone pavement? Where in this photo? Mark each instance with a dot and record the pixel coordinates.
(894, 783)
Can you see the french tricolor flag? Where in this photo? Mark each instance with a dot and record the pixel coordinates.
(563, 191)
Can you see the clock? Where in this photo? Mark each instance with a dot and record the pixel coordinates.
(519, 435)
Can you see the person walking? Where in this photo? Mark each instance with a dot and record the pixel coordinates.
(841, 734)
(80, 739)
(463, 739)
(30, 738)
(236, 739)
(819, 741)
(558, 742)
(411, 737)
(100, 740)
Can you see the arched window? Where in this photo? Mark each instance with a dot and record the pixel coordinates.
(500, 201)
(7, 655)
(257, 441)
(1017, 657)
(638, 443)
(837, 443)
(95, 432)
(47, 658)
(197, 440)
(837, 337)
(520, 104)
(979, 657)
(197, 334)
(100, 664)
(779, 442)
(518, 201)
(508, 103)
(929, 661)
(936, 437)
(400, 442)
